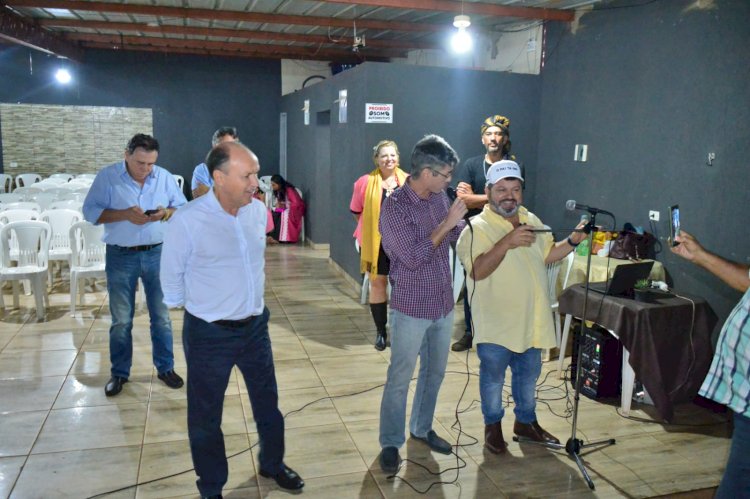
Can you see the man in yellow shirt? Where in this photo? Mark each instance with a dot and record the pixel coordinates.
(507, 285)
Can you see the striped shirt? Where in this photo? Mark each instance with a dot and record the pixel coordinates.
(728, 380)
(420, 276)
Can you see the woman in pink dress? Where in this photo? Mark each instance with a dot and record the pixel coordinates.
(288, 210)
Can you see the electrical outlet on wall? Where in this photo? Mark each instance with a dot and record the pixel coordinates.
(653, 215)
(581, 153)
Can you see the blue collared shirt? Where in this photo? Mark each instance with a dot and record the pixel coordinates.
(213, 262)
(115, 189)
(201, 176)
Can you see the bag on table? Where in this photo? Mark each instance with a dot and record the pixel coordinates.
(629, 245)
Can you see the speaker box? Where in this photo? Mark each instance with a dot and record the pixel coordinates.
(601, 362)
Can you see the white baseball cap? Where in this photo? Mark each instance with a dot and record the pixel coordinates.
(503, 169)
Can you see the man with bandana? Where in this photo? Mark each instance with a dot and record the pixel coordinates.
(469, 184)
(505, 264)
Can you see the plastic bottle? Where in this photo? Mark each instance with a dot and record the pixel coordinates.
(583, 248)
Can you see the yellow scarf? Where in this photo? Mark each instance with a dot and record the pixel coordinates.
(371, 215)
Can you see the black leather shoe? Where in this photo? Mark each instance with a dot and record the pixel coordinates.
(114, 386)
(463, 344)
(435, 442)
(380, 342)
(389, 460)
(216, 496)
(287, 478)
(171, 379)
(534, 432)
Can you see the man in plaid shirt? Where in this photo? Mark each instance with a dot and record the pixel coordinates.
(728, 380)
(417, 224)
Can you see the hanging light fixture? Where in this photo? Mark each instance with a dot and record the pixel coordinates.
(461, 41)
(63, 76)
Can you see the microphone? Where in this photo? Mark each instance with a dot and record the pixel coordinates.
(571, 205)
(452, 195)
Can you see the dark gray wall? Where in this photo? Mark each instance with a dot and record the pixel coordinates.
(449, 102)
(652, 90)
(190, 96)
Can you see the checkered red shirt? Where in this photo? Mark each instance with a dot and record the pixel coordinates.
(419, 274)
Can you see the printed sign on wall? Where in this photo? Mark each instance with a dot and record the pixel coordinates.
(378, 113)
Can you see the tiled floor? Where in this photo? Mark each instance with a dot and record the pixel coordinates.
(61, 437)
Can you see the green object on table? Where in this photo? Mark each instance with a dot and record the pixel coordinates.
(583, 248)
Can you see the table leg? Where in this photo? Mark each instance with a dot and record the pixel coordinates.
(628, 380)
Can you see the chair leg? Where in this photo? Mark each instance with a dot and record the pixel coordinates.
(73, 292)
(40, 290)
(16, 303)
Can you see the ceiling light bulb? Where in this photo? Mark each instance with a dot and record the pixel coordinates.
(63, 76)
(462, 21)
(461, 41)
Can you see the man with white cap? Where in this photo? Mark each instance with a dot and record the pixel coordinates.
(505, 264)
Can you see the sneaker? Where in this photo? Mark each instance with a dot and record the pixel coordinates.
(389, 460)
(463, 344)
(171, 379)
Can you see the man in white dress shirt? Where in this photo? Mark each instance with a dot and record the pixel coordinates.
(213, 264)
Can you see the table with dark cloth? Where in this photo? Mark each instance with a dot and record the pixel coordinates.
(669, 363)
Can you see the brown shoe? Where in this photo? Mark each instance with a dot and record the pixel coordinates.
(534, 432)
(493, 438)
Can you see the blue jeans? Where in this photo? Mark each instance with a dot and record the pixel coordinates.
(124, 267)
(412, 337)
(211, 352)
(525, 367)
(736, 480)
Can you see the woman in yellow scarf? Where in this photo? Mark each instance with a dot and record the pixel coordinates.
(370, 191)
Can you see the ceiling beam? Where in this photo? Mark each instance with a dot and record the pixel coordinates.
(282, 50)
(18, 30)
(350, 58)
(225, 15)
(485, 9)
(229, 33)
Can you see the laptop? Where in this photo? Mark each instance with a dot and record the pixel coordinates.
(624, 279)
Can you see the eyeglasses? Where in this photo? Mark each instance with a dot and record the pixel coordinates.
(446, 177)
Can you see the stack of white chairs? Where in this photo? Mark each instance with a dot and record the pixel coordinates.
(32, 238)
(61, 221)
(27, 192)
(66, 177)
(27, 179)
(44, 199)
(10, 197)
(88, 176)
(66, 204)
(6, 182)
(88, 257)
(21, 205)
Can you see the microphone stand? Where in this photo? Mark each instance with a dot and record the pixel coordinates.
(574, 445)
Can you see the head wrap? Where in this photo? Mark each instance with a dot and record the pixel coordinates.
(496, 120)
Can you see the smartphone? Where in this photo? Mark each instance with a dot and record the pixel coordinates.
(148, 213)
(674, 225)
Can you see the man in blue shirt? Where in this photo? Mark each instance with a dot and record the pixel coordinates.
(728, 379)
(213, 264)
(131, 198)
(202, 181)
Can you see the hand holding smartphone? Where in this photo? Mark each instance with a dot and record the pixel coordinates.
(674, 223)
(148, 213)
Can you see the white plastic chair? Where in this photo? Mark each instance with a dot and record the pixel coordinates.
(44, 199)
(33, 238)
(562, 336)
(16, 215)
(264, 184)
(6, 182)
(21, 205)
(180, 180)
(88, 257)
(27, 192)
(88, 176)
(9, 197)
(67, 204)
(60, 191)
(73, 196)
(67, 177)
(61, 221)
(26, 179)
